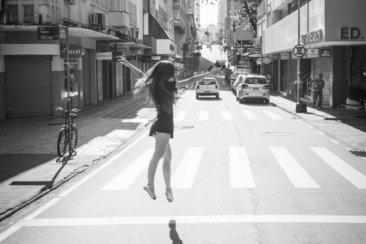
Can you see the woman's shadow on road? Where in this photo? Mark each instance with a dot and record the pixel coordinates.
(173, 234)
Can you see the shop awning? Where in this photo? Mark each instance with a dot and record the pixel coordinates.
(156, 30)
(88, 33)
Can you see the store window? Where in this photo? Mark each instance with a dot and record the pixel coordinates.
(28, 11)
(13, 10)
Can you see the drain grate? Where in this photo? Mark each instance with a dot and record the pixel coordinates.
(359, 153)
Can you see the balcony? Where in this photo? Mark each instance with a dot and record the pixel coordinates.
(118, 19)
(179, 20)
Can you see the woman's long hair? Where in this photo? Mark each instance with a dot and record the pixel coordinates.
(154, 80)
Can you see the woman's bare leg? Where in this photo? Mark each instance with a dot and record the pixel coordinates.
(166, 165)
(161, 142)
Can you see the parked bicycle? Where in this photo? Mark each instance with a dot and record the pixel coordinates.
(68, 135)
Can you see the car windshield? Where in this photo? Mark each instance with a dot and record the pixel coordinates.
(207, 82)
(255, 81)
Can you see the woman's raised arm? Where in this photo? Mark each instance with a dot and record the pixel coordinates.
(134, 69)
(195, 78)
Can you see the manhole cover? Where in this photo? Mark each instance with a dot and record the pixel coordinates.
(359, 153)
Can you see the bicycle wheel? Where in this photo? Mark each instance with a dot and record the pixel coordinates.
(62, 142)
(74, 137)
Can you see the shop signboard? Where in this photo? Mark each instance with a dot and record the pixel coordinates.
(156, 58)
(104, 56)
(285, 56)
(51, 32)
(267, 60)
(312, 52)
(75, 51)
(326, 52)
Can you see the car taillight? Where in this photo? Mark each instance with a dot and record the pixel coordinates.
(198, 87)
(266, 87)
(216, 87)
(244, 86)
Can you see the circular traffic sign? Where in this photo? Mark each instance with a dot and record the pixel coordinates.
(299, 51)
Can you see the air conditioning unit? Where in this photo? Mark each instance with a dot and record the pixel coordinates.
(98, 19)
(70, 2)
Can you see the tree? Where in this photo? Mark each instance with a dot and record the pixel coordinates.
(248, 11)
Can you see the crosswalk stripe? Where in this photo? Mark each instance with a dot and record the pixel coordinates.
(344, 169)
(123, 180)
(240, 172)
(226, 115)
(249, 114)
(185, 173)
(272, 115)
(297, 175)
(203, 115)
(180, 116)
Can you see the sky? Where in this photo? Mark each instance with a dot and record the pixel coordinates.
(208, 14)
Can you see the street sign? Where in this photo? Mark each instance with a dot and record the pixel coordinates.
(299, 51)
(51, 32)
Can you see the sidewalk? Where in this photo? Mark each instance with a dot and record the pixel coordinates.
(29, 167)
(347, 126)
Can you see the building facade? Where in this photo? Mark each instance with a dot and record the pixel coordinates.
(33, 66)
(333, 34)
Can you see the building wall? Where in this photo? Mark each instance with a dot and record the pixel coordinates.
(340, 13)
(2, 77)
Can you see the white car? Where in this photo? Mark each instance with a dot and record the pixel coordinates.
(208, 87)
(254, 87)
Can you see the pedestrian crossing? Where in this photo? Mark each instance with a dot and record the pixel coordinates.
(242, 171)
(227, 115)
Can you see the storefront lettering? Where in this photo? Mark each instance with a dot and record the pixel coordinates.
(312, 37)
(75, 51)
(350, 33)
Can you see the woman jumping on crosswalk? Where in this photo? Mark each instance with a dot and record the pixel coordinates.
(161, 84)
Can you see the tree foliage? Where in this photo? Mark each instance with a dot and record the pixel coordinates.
(248, 12)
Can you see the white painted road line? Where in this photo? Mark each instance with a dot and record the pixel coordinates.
(134, 170)
(184, 175)
(203, 115)
(334, 141)
(294, 171)
(135, 120)
(321, 133)
(110, 161)
(181, 115)
(226, 115)
(249, 115)
(198, 219)
(240, 171)
(272, 115)
(344, 169)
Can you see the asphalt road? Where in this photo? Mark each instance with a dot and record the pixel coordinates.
(242, 173)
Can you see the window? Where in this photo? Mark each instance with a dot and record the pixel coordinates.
(13, 9)
(28, 13)
(256, 81)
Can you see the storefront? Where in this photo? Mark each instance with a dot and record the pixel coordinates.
(33, 77)
(335, 47)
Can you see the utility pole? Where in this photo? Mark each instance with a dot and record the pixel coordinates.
(298, 58)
